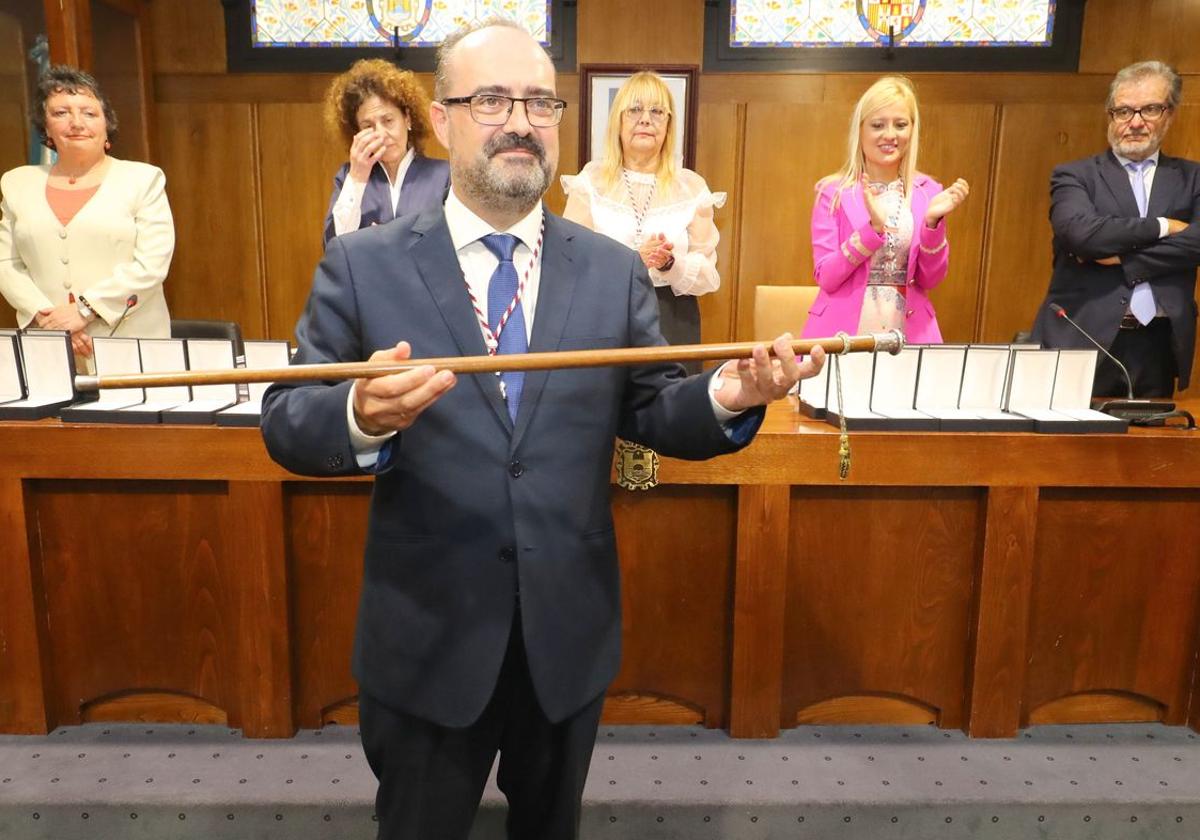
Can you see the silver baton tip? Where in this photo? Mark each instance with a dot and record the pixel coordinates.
(87, 383)
(891, 341)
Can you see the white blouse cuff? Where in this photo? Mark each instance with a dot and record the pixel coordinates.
(347, 210)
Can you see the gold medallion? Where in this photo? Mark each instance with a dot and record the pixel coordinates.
(637, 466)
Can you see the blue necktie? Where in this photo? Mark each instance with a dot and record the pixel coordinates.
(1141, 301)
(502, 288)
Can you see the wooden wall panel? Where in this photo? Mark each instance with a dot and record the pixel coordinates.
(116, 67)
(627, 32)
(957, 142)
(568, 141)
(718, 157)
(189, 37)
(1033, 140)
(1118, 32)
(23, 637)
(879, 599)
(1131, 622)
(788, 148)
(294, 141)
(676, 628)
(207, 152)
(14, 121)
(147, 602)
(327, 528)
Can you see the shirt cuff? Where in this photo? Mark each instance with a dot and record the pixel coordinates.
(1164, 227)
(347, 210)
(715, 383)
(366, 447)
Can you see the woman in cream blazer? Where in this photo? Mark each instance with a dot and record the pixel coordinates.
(119, 244)
(81, 237)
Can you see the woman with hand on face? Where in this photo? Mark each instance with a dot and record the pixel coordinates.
(382, 113)
(81, 237)
(878, 225)
(639, 195)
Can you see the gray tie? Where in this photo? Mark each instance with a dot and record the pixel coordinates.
(1141, 301)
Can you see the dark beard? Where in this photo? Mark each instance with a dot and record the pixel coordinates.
(519, 189)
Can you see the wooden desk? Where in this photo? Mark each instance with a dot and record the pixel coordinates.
(981, 581)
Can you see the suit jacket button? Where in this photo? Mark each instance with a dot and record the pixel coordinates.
(516, 469)
(334, 461)
(508, 554)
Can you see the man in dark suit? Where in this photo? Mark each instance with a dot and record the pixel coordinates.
(1125, 244)
(490, 611)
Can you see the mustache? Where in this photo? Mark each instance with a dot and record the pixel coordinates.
(507, 142)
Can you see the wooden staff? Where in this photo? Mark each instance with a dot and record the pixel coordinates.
(889, 342)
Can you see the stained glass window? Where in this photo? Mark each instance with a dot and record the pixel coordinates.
(372, 23)
(914, 23)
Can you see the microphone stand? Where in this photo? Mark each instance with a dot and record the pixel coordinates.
(1138, 411)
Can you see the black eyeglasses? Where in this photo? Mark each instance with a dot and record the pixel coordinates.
(1149, 113)
(494, 109)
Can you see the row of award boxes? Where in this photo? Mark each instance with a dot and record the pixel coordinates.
(37, 379)
(943, 387)
(958, 387)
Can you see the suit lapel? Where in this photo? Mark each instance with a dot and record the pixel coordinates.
(556, 289)
(1167, 183)
(854, 207)
(1117, 179)
(381, 195)
(412, 188)
(438, 265)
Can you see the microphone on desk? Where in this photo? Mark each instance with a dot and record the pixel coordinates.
(1130, 408)
(130, 302)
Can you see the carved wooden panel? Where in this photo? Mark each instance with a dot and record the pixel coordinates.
(1116, 598)
(676, 546)
(879, 596)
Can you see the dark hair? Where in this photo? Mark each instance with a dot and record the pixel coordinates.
(62, 78)
(376, 77)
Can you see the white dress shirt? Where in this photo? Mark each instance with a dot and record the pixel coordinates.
(1147, 176)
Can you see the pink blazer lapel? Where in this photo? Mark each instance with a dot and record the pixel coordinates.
(854, 208)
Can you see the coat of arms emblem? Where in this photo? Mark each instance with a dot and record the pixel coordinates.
(637, 466)
(883, 17)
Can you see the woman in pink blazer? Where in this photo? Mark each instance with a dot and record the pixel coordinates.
(878, 225)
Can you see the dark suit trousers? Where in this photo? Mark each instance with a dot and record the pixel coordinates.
(431, 777)
(1148, 355)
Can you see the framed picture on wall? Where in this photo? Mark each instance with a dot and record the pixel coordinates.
(598, 86)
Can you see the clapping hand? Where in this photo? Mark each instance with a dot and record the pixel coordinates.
(946, 201)
(656, 250)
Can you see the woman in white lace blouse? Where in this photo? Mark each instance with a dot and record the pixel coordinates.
(638, 194)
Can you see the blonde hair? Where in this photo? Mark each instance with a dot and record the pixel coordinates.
(648, 89)
(889, 90)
